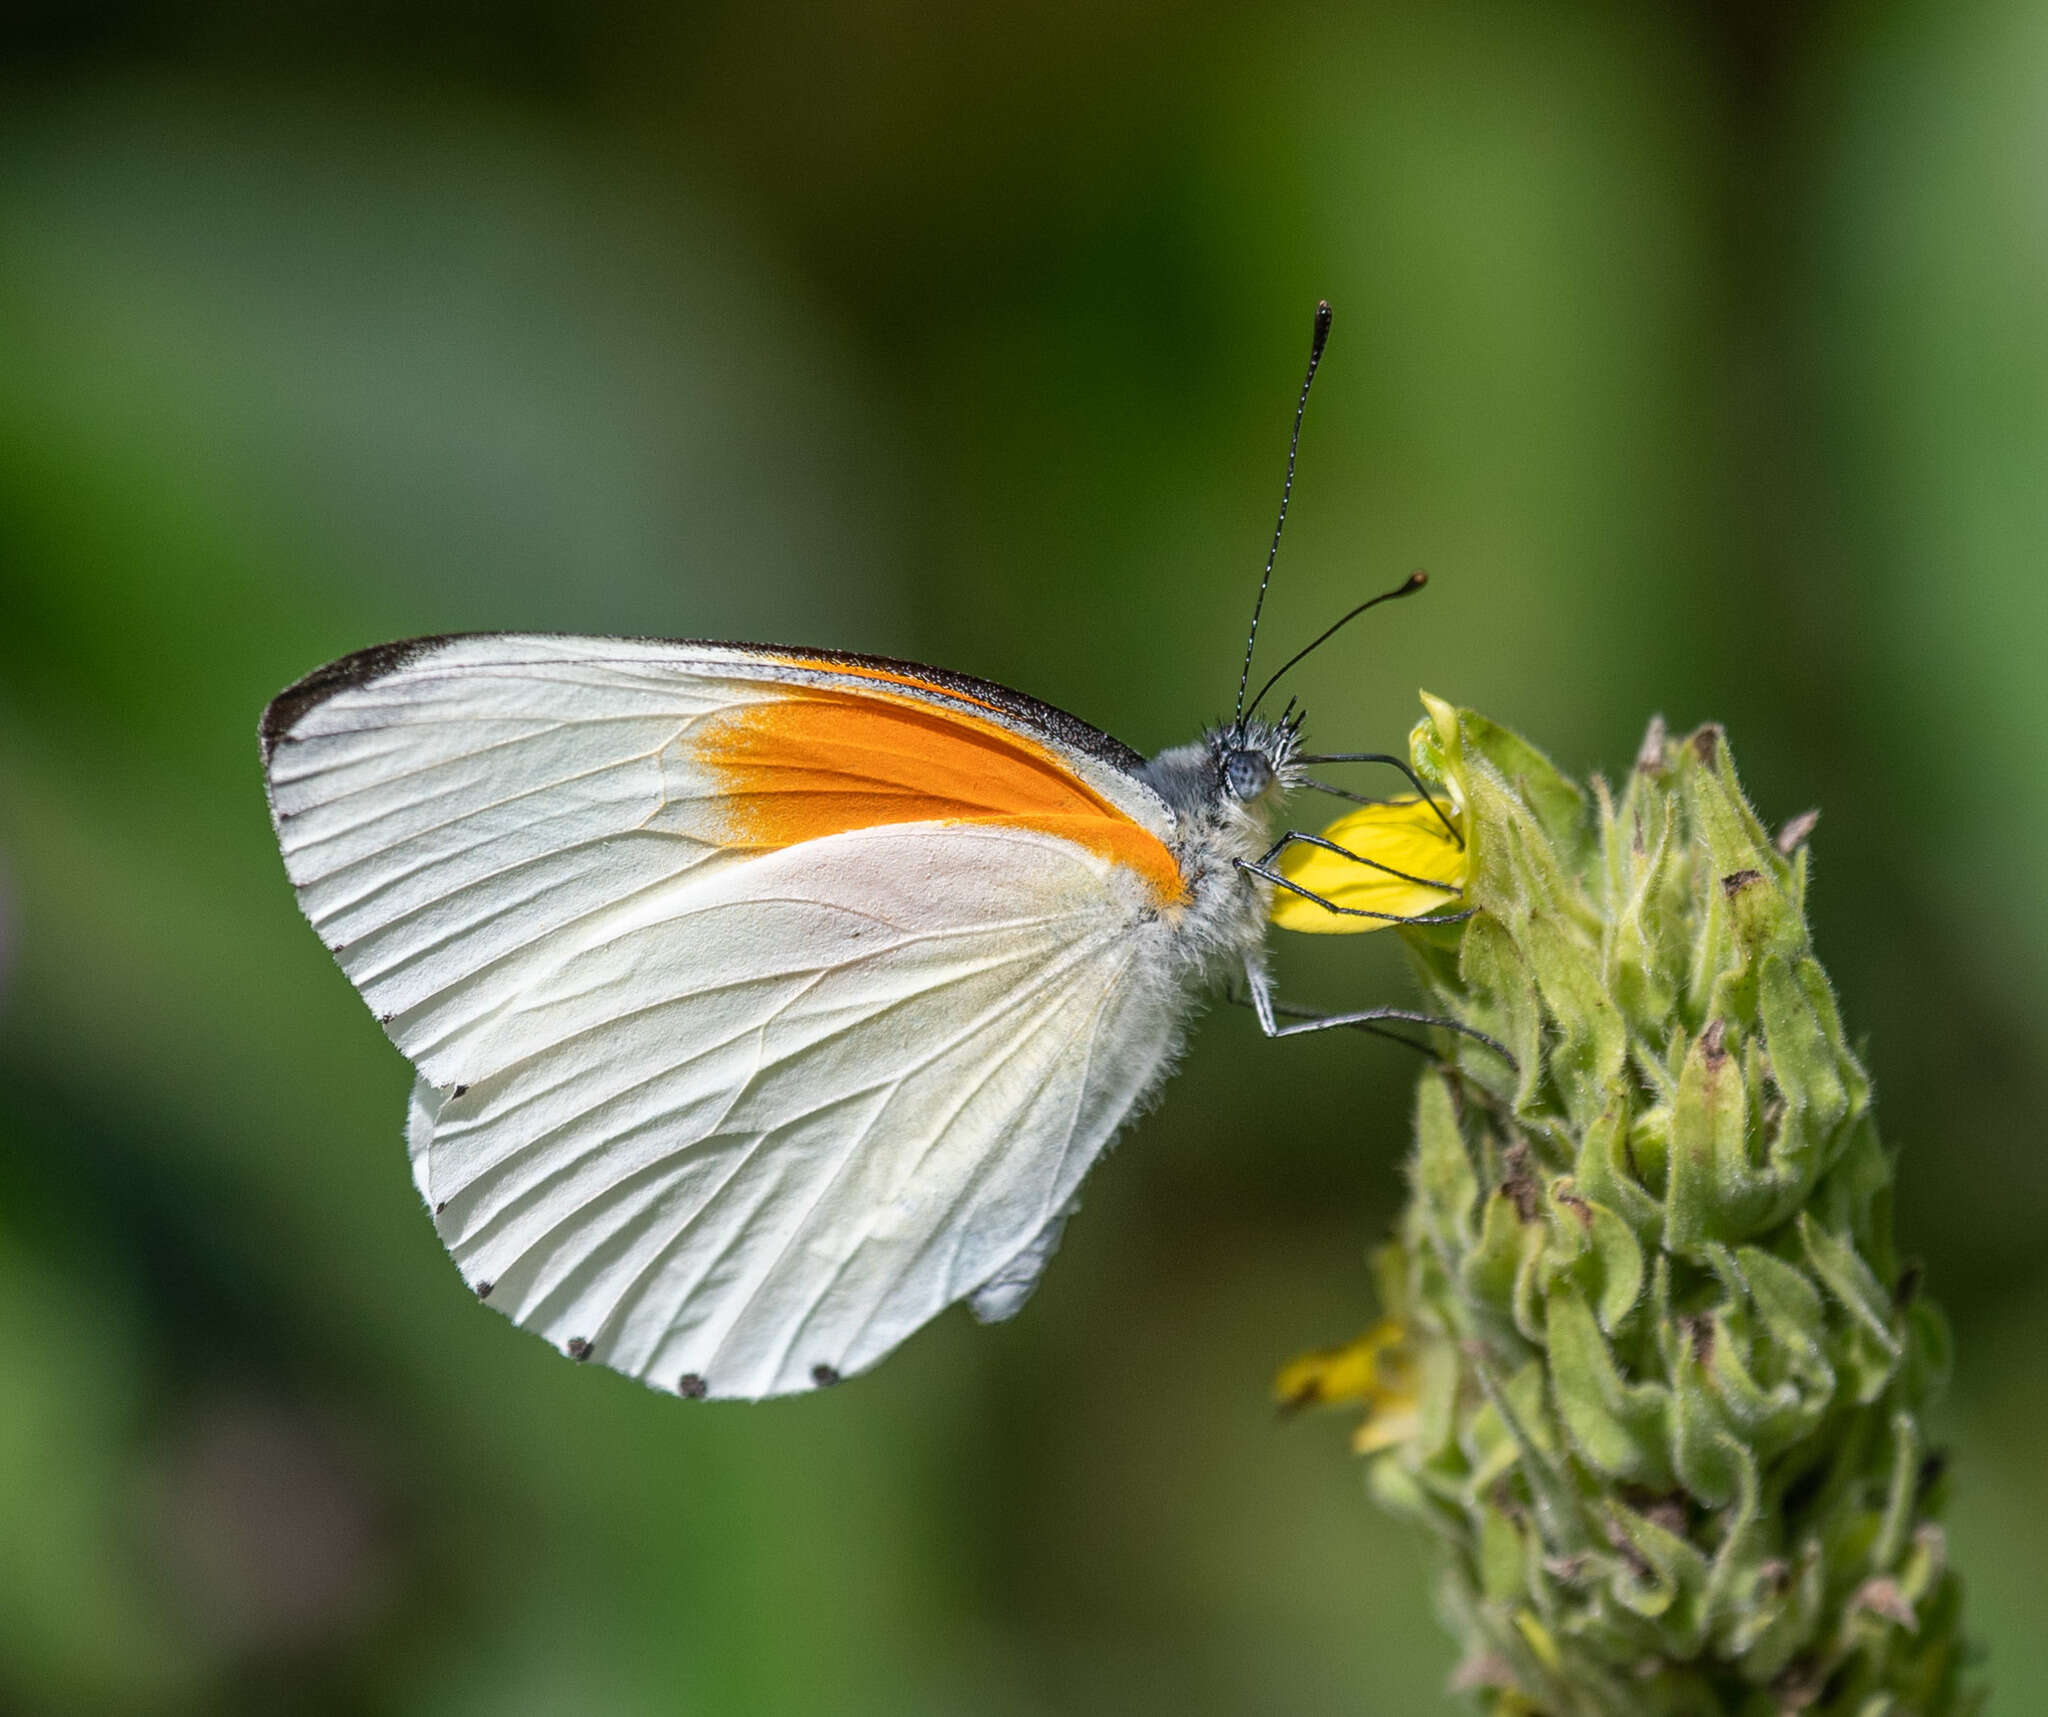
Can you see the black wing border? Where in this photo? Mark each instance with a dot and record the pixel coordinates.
(365, 667)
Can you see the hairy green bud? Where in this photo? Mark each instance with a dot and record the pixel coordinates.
(1651, 1371)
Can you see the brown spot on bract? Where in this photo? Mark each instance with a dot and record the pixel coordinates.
(579, 1349)
(1519, 1181)
(1884, 1597)
(1794, 834)
(483, 1290)
(1714, 1042)
(692, 1387)
(1639, 1564)
(1483, 1671)
(824, 1376)
(1665, 1511)
(1578, 1207)
(1736, 881)
(1650, 754)
(1706, 743)
(1570, 1569)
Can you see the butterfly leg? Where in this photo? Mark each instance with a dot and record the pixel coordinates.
(1277, 1021)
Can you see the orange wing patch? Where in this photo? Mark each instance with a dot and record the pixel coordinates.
(818, 762)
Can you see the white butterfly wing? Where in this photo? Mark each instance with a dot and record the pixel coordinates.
(759, 1129)
(733, 1121)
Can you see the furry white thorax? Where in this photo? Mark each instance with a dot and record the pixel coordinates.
(1226, 815)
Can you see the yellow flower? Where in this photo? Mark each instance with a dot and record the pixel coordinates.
(1377, 1369)
(1393, 853)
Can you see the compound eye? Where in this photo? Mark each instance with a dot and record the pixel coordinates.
(1247, 773)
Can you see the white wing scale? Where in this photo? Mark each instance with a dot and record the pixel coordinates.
(735, 1125)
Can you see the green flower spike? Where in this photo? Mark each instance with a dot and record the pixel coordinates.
(1657, 1374)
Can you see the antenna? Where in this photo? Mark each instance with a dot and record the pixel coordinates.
(1315, 357)
(1415, 581)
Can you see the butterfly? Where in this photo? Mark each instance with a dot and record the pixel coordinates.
(766, 1002)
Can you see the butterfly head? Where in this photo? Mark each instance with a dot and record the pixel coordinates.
(1226, 789)
(1253, 759)
(1234, 777)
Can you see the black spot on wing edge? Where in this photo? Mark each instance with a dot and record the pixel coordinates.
(824, 1376)
(579, 1349)
(692, 1387)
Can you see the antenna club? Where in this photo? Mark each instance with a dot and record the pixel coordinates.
(1408, 587)
(1322, 333)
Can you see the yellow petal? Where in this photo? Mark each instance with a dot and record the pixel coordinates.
(1402, 835)
(1353, 1372)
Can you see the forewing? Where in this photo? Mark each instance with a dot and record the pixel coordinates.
(445, 807)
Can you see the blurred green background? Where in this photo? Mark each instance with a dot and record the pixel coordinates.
(1700, 354)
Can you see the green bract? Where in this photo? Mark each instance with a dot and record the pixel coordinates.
(1671, 1371)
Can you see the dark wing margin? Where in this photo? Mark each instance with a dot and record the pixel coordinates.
(364, 667)
(1041, 718)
